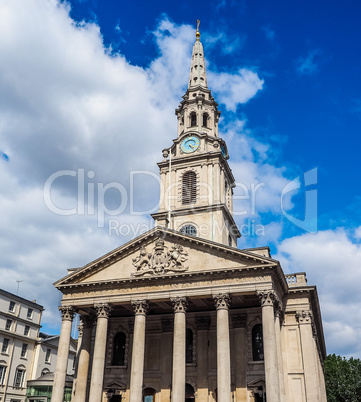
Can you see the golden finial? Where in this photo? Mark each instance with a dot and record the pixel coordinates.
(198, 35)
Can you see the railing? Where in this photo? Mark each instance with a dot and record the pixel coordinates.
(297, 279)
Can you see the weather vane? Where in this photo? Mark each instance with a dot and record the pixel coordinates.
(197, 33)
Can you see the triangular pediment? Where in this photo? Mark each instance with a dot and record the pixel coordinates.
(161, 253)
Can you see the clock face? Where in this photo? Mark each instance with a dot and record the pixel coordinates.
(189, 144)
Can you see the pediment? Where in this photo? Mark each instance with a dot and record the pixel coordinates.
(161, 253)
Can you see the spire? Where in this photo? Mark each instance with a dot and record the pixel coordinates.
(197, 75)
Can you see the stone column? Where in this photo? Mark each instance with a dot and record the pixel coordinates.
(309, 356)
(96, 382)
(202, 324)
(79, 392)
(270, 346)
(278, 319)
(179, 349)
(67, 313)
(222, 302)
(136, 376)
(240, 355)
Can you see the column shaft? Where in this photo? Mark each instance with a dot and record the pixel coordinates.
(136, 378)
(280, 357)
(97, 375)
(63, 354)
(309, 356)
(270, 347)
(179, 350)
(223, 349)
(83, 362)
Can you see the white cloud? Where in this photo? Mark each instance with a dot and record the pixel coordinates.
(235, 89)
(357, 233)
(308, 65)
(332, 261)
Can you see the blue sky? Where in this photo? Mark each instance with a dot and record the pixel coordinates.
(75, 77)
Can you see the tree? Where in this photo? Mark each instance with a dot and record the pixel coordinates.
(343, 379)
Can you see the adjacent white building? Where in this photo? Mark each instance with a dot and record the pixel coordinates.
(25, 353)
(19, 331)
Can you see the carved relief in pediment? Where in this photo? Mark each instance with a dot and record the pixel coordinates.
(160, 260)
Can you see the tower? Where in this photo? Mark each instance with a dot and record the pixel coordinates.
(196, 195)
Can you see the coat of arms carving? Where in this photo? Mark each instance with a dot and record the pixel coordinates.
(161, 260)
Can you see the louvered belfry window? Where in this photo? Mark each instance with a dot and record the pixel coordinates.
(189, 188)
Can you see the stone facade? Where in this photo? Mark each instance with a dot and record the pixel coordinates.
(178, 314)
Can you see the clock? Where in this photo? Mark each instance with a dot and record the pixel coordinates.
(189, 144)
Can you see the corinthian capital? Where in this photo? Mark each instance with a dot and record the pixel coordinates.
(103, 310)
(67, 313)
(180, 304)
(222, 301)
(267, 298)
(140, 307)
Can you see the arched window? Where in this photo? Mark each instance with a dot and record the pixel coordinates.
(257, 343)
(149, 395)
(193, 119)
(3, 368)
(45, 371)
(189, 346)
(205, 119)
(189, 230)
(189, 188)
(190, 397)
(119, 349)
(19, 378)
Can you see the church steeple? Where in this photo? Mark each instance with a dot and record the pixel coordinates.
(196, 181)
(197, 76)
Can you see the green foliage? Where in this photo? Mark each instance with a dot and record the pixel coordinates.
(343, 379)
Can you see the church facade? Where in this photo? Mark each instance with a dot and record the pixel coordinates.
(180, 313)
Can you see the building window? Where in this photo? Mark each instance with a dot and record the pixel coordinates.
(205, 119)
(193, 117)
(230, 240)
(189, 188)
(257, 343)
(5, 345)
(119, 349)
(12, 306)
(189, 230)
(8, 324)
(2, 373)
(26, 330)
(30, 313)
(47, 356)
(149, 395)
(189, 346)
(24, 350)
(19, 378)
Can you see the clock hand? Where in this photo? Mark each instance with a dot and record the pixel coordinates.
(192, 146)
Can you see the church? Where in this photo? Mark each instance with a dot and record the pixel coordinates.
(180, 313)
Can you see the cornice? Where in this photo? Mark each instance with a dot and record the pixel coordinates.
(208, 156)
(206, 275)
(199, 209)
